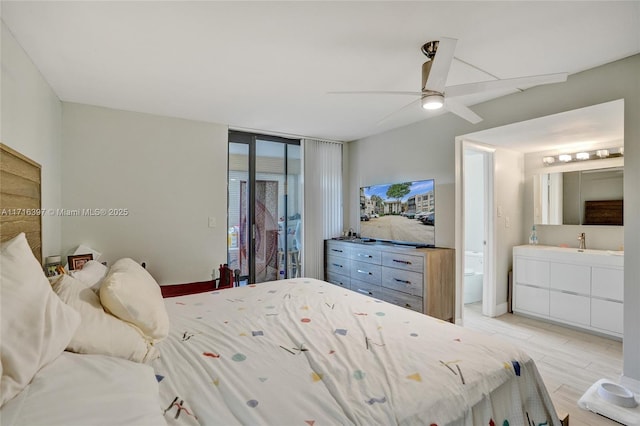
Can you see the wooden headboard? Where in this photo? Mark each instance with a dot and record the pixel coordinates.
(20, 201)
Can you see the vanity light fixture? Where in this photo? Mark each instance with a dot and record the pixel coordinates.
(582, 156)
(598, 154)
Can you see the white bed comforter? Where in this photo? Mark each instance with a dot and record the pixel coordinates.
(306, 352)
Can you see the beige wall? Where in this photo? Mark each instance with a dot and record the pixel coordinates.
(171, 175)
(424, 150)
(31, 120)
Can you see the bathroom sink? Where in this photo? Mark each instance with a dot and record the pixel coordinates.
(602, 257)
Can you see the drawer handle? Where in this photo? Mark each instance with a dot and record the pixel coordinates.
(368, 256)
(365, 292)
(337, 264)
(402, 281)
(364, 272)
(406, 262)
(573, 293)
(336, 250)
(606, 299)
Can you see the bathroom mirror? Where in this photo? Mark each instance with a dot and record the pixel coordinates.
(582, 197)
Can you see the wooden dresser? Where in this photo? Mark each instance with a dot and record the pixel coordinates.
(419, 279)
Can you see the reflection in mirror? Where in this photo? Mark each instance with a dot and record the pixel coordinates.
(585, 197)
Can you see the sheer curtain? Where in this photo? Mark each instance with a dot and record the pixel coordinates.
(322, 201)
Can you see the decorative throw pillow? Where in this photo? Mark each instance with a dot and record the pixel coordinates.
(92, 274)
(35, 324)
(99, 332)
(130, 293)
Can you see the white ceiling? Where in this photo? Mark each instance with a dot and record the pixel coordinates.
(269, 65)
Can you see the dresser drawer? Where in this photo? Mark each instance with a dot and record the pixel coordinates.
(532, 272)
(338, 265)
(607, 283)
(338, 248)
(402, 299)
(339, 280)
(531, 299)
(367, 272)
(366, 288)
(403, 261)
(362, 253)
(571, 278)
(607, 315)
(573, 308)
(405, 281)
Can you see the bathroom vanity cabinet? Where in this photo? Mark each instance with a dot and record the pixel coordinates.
(581, 288)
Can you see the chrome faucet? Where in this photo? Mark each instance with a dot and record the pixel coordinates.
(583, 242)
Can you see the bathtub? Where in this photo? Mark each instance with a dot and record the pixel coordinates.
(473, 270)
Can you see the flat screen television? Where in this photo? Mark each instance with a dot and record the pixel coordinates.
(401, 213)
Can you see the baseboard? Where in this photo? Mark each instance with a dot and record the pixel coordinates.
(502, 309)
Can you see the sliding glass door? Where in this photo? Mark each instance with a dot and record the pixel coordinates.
(265, 207)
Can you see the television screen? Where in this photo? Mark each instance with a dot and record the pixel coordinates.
(399, 212)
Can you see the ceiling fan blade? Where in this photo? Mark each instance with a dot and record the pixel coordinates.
(376, 92)
(508, 83)
(462, 111)
(437, 78)
(386, 118)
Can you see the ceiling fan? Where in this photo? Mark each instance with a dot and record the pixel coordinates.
(434, 94)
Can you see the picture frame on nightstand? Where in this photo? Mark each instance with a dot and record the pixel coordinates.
(77, 261)
(51, 269)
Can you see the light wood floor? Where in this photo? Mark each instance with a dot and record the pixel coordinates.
(569, 361)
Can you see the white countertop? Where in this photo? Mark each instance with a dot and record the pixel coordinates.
(570, 254)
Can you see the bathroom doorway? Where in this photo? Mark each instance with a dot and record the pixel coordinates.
(478, 287)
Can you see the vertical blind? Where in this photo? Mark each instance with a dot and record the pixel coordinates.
(322, 201)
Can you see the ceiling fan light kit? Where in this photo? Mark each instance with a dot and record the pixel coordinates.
(433, 101)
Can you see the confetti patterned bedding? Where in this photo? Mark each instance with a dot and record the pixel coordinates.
(306, 352)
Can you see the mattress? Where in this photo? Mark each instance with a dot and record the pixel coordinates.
(303, 351)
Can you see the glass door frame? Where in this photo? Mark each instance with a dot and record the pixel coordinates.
(251, 139)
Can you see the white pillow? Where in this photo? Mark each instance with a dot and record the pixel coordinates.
(99, 332)
(34, 323)
(92, 274)
(130, 293)
(96, 390)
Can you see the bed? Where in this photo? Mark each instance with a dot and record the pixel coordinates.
(297, 351)
(304, 351)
